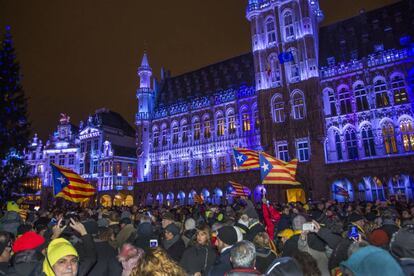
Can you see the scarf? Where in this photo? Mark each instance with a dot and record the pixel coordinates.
(168, 244)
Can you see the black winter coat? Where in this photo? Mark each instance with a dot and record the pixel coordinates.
(198, 259)
(264, 257)
(107, 263)
(25, 262)
(176, 250)
(222, 264)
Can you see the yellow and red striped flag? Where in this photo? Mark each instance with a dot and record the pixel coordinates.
(275, 171)
(69, 185)
(246, 159)
(238, 189)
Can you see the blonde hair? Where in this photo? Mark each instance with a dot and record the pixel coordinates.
(157, 263)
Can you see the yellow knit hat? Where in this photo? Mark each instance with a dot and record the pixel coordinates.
(57, 249)
(12, 206)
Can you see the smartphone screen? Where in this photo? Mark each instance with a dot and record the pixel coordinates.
(153, 243)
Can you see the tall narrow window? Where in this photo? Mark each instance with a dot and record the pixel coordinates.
(302, 148)
(71, 159)
(198, 167)
(207, 130)
(368, 141)
(351, 143)
(220, 125)
(361, 97)
(282, 152)
(186, 169)
(164, 136)
(209, 166)
(407, 133)
(298, 106)
(381, 94)
(176, 169)
(288, 25)
(294, 75)
(279, 110)
(332, 102)
(338, 145)
(246, 122)
(399, 90)
(196, 134)
(270, 31)
(155, 138)
(184, 133)
(256, 119)
(156, 172)
(165, 171)
(175, 134)
(345, 101)
(388, 135)
(273, 71)
(61, 160)
(222, 164)
(231, 123)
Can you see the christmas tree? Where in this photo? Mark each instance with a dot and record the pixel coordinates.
(14, 126)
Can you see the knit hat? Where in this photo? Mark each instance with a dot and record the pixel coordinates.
(402, 243)
(372, 260)
(354, 217)
(189, 224)
(12, 207)
(379, 238)
(227, 234)
(28, 241)
(173, 229)
(286, 233)
(57, 249)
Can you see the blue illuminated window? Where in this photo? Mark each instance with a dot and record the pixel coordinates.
(351, 143)
(368, 141)
(302, 147)
(282, 151)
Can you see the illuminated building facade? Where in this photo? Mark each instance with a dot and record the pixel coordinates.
(339, 98)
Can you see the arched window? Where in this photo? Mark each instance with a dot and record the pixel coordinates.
(381, 94)
(368, 140)
(332, 102)
(351, 143)
(184, 131)
(338, 145)
(196, 129)
(345, 100)
(164, 134)
(270, 31)
(220, 124)
(273, 71)
(207, 127)
(399, 90)
(278, 108)
(377, 189)
(361, 97)
(155, 137)
(388, 135)
(245, 121)
(288, 25)
(175, 132)
(298, 106)
(231, 122)
(407, 134)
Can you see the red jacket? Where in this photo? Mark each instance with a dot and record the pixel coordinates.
(271, 216)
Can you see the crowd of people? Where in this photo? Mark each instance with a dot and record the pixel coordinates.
(317, 238)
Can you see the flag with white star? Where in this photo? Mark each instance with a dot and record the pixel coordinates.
(275, 171)
(69, 185)
(246, 159)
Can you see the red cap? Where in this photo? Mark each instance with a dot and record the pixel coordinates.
(28, 241)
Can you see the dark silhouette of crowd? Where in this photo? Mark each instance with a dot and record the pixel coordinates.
(242, 238)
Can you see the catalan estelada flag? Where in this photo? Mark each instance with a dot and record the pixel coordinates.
(238, 189)
(69, 185)
(246, 159)
(275, 171)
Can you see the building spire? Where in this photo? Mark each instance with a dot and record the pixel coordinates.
(144, 62)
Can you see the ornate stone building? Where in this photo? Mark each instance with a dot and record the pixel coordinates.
(339, 98)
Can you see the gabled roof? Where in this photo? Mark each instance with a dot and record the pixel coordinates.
(357, 37)
(205, 81)
(105, 117)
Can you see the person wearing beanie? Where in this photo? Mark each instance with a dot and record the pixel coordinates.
(372, 261)
(167, 219)
(11, 219)
(61, 259)
(27, 253)
(189, 231)
(379, 238)
(226, 238)
(173, 243)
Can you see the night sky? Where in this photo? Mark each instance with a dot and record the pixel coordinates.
(77, 56)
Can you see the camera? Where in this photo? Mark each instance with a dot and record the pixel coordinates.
(153, 243)
(308, 226)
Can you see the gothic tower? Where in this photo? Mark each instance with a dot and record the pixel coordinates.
(285, 50)
(145, 97)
